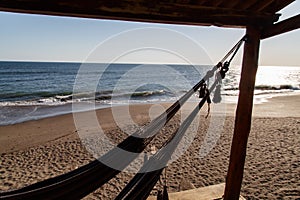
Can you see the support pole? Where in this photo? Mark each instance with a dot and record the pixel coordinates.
(243, 115)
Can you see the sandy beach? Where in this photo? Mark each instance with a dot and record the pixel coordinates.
(36, 150)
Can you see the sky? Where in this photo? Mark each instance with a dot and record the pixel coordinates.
(26, 37)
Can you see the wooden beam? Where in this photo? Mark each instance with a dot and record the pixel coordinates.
(143, 11)
(277, 5)
(284, 26)
(243, 115)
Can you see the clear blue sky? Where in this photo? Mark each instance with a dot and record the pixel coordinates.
(48, 38)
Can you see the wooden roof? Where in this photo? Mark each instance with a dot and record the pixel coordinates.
(233, 13)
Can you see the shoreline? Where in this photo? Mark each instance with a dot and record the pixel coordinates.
(262, 107)
(63, 125)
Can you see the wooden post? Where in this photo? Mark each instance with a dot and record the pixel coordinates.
(243, 115)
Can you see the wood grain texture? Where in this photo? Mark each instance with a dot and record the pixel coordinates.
(243, 115)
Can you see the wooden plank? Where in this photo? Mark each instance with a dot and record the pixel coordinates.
(261, 5)
(284, 26)
(243, 115)
(215, 3)
(246, 4)
(204, 193)
(230, 3)
(203, 2)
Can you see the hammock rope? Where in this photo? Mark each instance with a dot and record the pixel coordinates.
(80, 182)
(84, 180)
(141, 184)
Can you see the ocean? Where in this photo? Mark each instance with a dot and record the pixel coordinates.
(35, 90)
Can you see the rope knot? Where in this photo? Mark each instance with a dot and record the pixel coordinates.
(224, 69)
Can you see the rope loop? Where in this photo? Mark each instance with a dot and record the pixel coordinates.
(224, 69)
(202, 90)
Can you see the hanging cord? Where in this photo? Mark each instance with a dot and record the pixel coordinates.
(223, 67)
(205, 92)
(234, 48)
(208, 100)
(142, 183)
(73, 184)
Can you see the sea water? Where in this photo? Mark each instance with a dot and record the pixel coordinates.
(34, 90)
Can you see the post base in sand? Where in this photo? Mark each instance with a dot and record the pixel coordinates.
(212, 192)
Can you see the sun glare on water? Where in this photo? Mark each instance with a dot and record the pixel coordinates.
(277, 76)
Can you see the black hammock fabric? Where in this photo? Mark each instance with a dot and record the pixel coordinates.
(141, 185)
(84, 180)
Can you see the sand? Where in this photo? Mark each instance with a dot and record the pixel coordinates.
(37, 150)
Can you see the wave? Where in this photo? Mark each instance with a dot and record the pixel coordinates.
(279, 87)
(48, 98)
(107, 95)
(15, 73)
(270, 87)
(33, 95)
(149, 93)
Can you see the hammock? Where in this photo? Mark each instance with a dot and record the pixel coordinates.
(84, 180)
(141, 185)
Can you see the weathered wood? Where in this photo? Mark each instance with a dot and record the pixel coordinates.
(246, 4)
(277, 5)
(168, 11)
(261, 5)
(203, 2)
(232, 3)
(287, 25)
(243, 116)
(215, 3)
